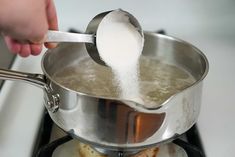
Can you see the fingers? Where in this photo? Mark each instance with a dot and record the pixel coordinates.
(35, 49)
(52, 20)
(12, 45)
(24, 50)
(30, 49)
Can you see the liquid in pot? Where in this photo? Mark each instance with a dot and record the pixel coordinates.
(157, 80)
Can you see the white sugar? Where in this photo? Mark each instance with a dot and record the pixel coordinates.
(120, 45)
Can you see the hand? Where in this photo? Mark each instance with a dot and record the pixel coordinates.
(24, 24)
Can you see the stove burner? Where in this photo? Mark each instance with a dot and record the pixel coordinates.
(66, 146)
(120, 153)
(54, 149)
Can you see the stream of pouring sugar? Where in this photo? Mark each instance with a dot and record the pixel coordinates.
(120, 45)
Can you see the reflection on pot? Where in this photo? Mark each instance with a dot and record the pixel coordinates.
(127, 124)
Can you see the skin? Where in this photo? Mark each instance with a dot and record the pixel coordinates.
(24, 24)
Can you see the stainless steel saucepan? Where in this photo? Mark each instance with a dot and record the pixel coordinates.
(111, 123)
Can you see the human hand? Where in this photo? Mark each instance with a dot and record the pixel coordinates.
(24, 24)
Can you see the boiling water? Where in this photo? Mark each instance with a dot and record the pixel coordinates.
(157, 80)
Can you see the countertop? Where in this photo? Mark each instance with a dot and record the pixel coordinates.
(21, 108)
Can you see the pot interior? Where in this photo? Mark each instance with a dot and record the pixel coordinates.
(167, 66)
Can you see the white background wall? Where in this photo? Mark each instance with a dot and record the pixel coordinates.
(178, 17)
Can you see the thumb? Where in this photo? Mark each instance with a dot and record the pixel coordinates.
(52, 20)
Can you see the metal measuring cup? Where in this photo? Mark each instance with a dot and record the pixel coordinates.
(90, 36)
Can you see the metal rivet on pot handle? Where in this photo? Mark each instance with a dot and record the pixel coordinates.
(53, 103)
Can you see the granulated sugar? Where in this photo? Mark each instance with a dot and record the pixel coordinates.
(120, 45)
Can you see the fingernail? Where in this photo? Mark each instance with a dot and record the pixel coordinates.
(51, 45)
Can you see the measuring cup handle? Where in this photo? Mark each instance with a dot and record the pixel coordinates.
(57, 36)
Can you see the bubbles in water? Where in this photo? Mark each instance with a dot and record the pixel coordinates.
(157, 80)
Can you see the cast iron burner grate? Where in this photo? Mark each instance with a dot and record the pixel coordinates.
(189, 141)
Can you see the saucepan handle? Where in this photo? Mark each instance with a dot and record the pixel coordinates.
(39, 80)
(34, 79)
